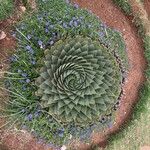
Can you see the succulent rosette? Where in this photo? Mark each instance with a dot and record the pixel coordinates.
(79, 81)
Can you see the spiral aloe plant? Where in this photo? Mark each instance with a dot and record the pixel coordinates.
(79, 80)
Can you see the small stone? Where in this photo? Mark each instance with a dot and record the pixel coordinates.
(2, 35)
(70, 137)
(63, 147)
(22, 8)
(1, 66)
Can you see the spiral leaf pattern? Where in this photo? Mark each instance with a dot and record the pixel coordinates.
(79, 81)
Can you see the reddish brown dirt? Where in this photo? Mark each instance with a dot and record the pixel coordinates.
(114, 18)
(22, 141)
(147, 7)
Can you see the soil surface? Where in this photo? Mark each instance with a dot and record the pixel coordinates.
(145, 148)
(147, 7)
(114, 18)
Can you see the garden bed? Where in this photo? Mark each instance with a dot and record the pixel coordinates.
(137, 65)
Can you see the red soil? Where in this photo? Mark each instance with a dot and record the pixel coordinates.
(114, 18)
(147, 7)
(22, 141)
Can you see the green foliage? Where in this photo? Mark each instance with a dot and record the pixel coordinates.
(139, 24)
(147, 54)
(124, 5)
(147, 47)
(6, 8)
(25, 2)
(77, 80)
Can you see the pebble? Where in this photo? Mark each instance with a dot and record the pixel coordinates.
(22, 8)
(63, 147)
(2, 35)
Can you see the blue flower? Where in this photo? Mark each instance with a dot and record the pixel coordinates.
(85, 133)
(29, 36)
(14, 34)
(61, 132)
(75, 23)
(13, 58)
(46, 30)
(40, 43)
(71, 23)
(27, 80)
(101, 34)
(37, 113)
(24, 74)
(29, 117)
(33, 62)
(31, 51)
(74, 18)
(64, 25)
(76, 6)
(40, 141)
(51, 42)
(110, 124)
(28, 47)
